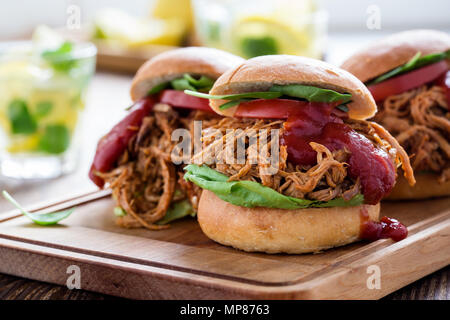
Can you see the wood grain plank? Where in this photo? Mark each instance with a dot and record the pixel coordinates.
(183, 257)
(435, 286)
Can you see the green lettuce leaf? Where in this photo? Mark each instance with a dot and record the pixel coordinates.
(236, 96)
(187, 82)
(312, 94)
(182, 84)
(309, 93)
(252, 194)
(416, 62)
(119, 212)
(158, 88)
(202, 84)
(177, 211)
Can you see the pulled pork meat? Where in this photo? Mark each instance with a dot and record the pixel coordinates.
(420, 121)
(146, 181)
(324, 181)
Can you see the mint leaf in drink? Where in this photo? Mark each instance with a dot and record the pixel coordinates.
(261, 46)
(20, 118)
(43, 108)
(61, 59)
(55, 139)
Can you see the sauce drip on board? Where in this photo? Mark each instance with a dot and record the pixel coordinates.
(317, 123)
(385, 228)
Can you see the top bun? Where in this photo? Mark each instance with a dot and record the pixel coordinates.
(393, 51)
(173, 64)
(260, 73)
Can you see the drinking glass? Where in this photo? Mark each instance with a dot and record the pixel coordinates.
(260, 27)
(42, 96)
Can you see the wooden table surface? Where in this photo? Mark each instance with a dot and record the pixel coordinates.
(107, 99)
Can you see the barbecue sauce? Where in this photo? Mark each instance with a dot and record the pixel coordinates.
(385, 228)
(444, 82)
(112, 145)
(317, 123)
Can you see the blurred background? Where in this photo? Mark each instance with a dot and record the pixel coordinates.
(214, 23)
(66, 66)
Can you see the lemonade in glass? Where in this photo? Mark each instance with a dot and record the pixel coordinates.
(261, 27)
(42, 94)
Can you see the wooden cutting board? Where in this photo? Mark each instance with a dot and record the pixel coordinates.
(181, 262)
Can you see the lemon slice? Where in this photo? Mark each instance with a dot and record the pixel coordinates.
(174, 9)
(262, 35)
(23, 143)
(132, 31)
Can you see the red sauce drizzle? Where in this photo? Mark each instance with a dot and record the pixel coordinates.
(113, 144)
(444, 81)
(385, 228)
(317, 123)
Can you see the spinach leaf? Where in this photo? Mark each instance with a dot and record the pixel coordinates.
(233, 103)
(203, 83)
(252, 194)
(343, 107)
(44, 219)
(119, 212)
(309, 93)
(237, 96)
(177, 211)
(182, 84)
(55, 139)
(158, 88)
(416, 62)
(187, 82)
(312, 94)
(20, 118)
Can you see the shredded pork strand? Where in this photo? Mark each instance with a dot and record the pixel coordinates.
(146, 181)
(420, 121)
(324, 181)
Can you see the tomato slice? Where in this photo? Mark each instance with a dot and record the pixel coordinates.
(114, 143)
(444, 81)
(407, 81)
(179, 99)
(275, 108)
(268, 108)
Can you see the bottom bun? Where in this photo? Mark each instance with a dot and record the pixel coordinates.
(427, 186)
(279, 230)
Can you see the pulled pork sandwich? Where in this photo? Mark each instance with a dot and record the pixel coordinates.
(333, 167)
(408, 76)
(134, 158)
